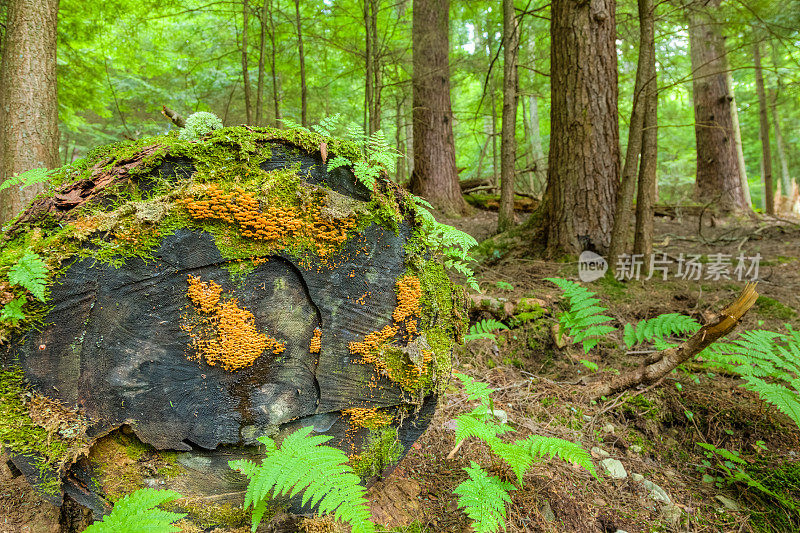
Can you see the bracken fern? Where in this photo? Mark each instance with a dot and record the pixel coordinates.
(30, 272)
(137, 512)
(483, 498)
(484, 329)
(583, 320)
(658, 328)
(302, 464)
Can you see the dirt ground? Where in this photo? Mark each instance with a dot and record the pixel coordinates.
(652, 432)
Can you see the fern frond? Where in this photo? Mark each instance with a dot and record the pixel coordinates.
(338, 161)
(30, 272)
(468, 425)
(366, 173)
(483, 498)
(355, 133)
(540, 446)
(29, 177)
(327, 125)
(476, 390)
(303, 464)
(484, 329)
(583, 320)
(12, 312)
(658, 328)
(292, 125)
(136, 512)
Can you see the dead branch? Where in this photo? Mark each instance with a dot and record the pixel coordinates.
(173, 116)
(662, 363)
(502, 307)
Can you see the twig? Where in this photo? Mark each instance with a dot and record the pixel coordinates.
(173, 116)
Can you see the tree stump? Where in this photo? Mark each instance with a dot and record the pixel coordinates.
(203, 294)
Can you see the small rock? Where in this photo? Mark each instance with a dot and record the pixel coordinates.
(656, 492)
(671, 514)
(727, 502)
(635, 448)
(599, 502)
(620, 531)
(638, 478)
(587, 418)
(501, 415)
(547, 512)
(599, 452)
(614, 468)
(608, 428)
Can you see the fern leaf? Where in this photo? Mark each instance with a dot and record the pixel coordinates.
(338, 161)
(483, 498)
(30, 272)
(516, 455)
(540, 446)
(476, 390)
(29, 177)
(292, 125)
(136, 512)
(785, 399)
(658, 328)
(12, 312)
(468, 425)
(303, 464)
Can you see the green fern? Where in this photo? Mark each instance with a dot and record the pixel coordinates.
(583, 320)
(301, 464)
(769, 363)
(570, 452)
(29, 177)
(137, 512)
(504, 285)
(12, 312)
(483, 498)
(658, 328)
(292, 125)
(483, 330)
(30, 272)
(327, 125)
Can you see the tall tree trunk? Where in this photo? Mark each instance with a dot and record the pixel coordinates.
(786, 179)
(435, 176)
(763, 122)
(718, 174)
(276, 82)
(248, 106)
(492, 88)
(737, 141)
(583, 170)
(375, 113)
(624, 208)
(399, 142)
(368, 66)
(262, 47)
(28, 98)
(508, 147)
(535, 137)
(303, 88)
(646, 193)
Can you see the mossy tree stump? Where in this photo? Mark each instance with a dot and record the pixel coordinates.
(202, 294)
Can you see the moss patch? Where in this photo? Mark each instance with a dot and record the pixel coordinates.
(772, 308)
(382, 449)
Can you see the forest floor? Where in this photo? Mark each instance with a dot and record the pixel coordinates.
(670, 484)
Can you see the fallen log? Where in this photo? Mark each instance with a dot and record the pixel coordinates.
(201, 294)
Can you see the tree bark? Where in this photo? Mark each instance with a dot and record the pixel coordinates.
(508, 145)
(763, 122)
(368, 65)
(245, 72)
(624, 208)
(718, 173)
(262, 47)
(583, 169)
(535, 137)
(646, 194)
(276, 89)
(303, 87)
(786, 179)
(375, 113)
(28, 98)
(434, 176)
(737, 141)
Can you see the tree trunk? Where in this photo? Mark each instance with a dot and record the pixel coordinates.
(539, 160)
(368, 64)
(401, 145)
(763, 121)
(245, 73)
(375, 113)
(646, 195)
(28, 98)
(303, 88)
(737, 140)
(786, 179)
(276, 88)
(718, 174)
(262, 46)
(624, 207)
(435, 176)
(508, 146)
(583, 169)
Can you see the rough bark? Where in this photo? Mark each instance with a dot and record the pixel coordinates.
(28, 98)
(375, 114)
(737, 141)
(662, 363)
(646, 194)
(539, 159)
(763, 122)
(368, 64)
(434, 176)
(508, 144)
(262, 47)
(174, 116)
(718, 174)
(276, 89)
(786, 179)
(624, 207)
(248, 106)
(583, 169)
(301, 53)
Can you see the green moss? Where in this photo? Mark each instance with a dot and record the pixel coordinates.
(382, 449)
(783, 479)
(771, 308)
(211, 515)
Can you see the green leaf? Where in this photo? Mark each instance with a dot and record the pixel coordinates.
(30, 272)
(12, 312)
(136, 513)
(483, 498)
(27, 178)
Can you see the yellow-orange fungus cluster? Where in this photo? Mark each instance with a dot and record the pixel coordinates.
(369, 348)
(226, 334)
(368, 418)
(316, 341)
(282, 225)
(409, 293)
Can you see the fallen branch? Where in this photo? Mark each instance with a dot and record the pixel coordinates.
(502, 307)
(173, 116)
(662, 363)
